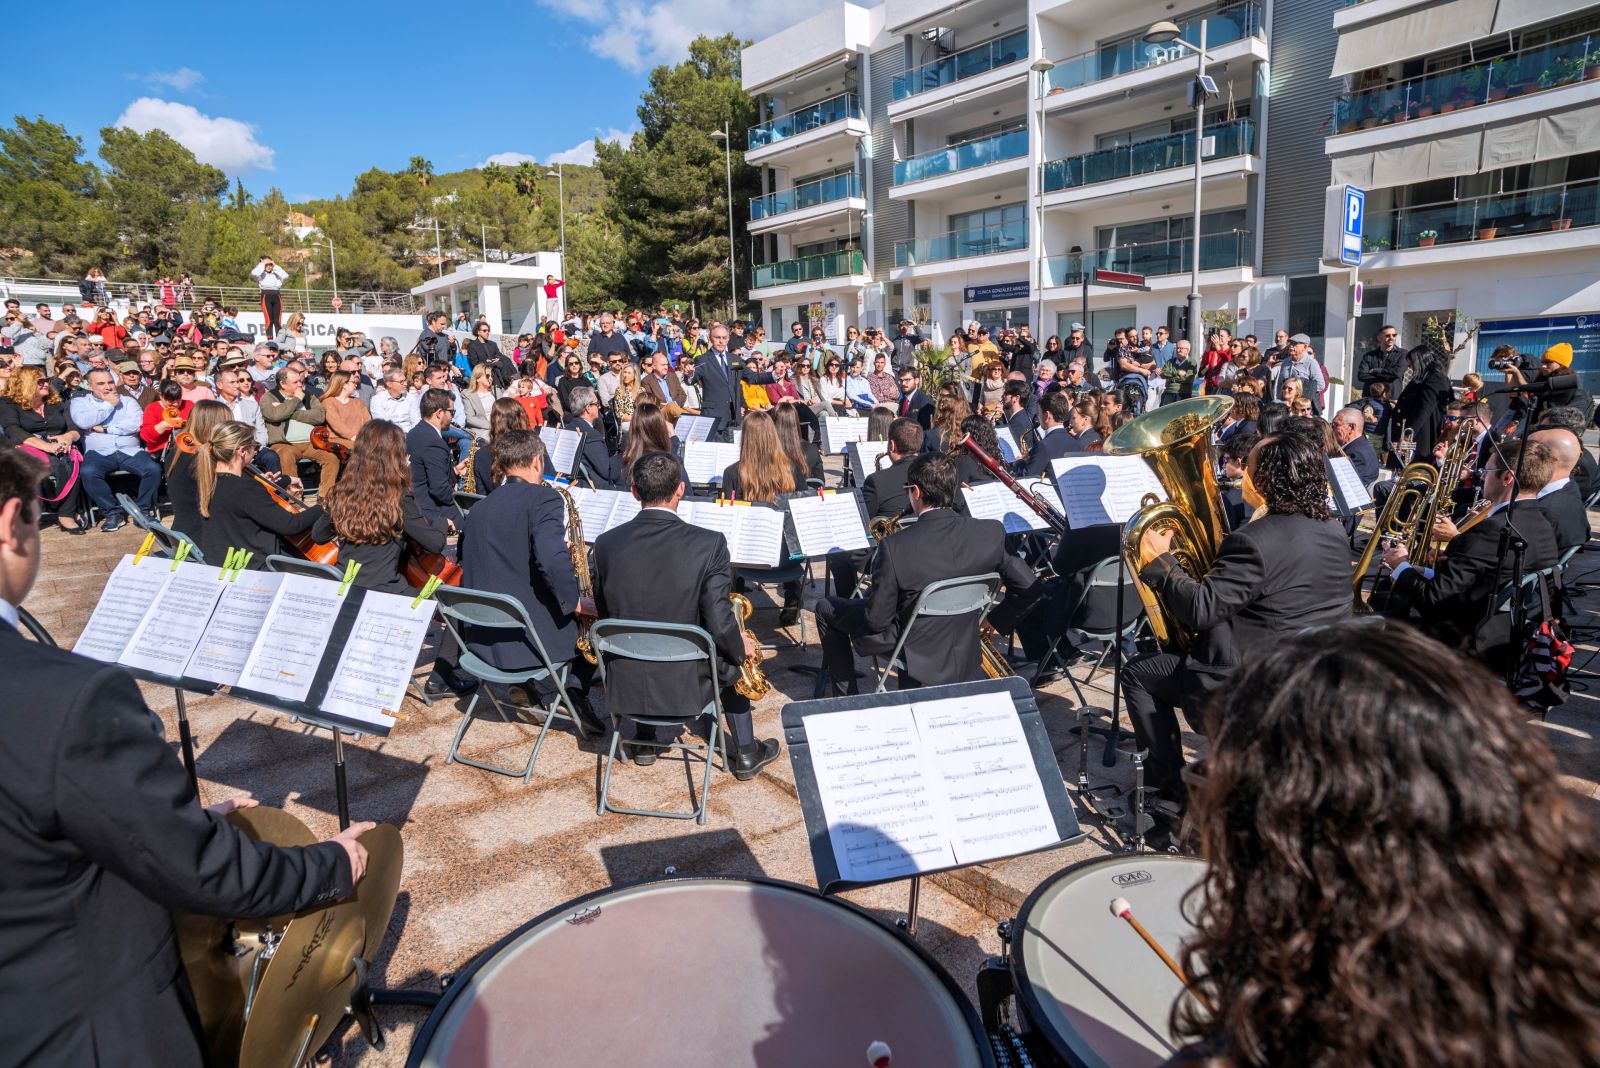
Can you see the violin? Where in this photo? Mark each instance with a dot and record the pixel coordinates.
(317, 552)
(322, 438)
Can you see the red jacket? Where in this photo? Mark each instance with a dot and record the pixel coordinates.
(153, 432)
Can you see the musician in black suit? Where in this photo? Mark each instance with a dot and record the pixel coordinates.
(1350, 431)
(719, 373)
(103, 839)
(434, 469)
(1587, 473)
(913, 402)
(1016, 412)
(1055, 441)
(885, 497)
(514, 542)
(592, 450)
(940, 545)
(657, 567)
(1559, 499)
(1288, 570)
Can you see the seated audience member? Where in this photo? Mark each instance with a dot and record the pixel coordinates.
(342, 406)
(593, 452)
(395, 403)
(507, 414)
(290, 414)
(163, 417)
(110, 423)
(34, 418)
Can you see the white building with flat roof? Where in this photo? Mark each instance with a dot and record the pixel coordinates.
(511, 297)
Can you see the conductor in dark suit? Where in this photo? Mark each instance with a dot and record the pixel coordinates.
(515, 542)
(433, 466)
(1055, 441)
(1288, 570)
(884, 495)
(657, 567)
(719, 373)
(103, 839)
(940, 545)
(593, 452)
(1559, 499)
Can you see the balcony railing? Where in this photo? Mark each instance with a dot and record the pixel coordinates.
(961, 244)
(1226, 25)
(968, 63)
(1530, 71)
(802, 120)
(1533, 211)
(1231, 248)
(809, 268)
(809, 195)
(1237, 138)
(963, 157)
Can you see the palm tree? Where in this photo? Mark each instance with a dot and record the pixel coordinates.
(527, 178)
(494, 172)
(422, 169)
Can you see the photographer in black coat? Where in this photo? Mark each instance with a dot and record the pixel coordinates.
(434, 345)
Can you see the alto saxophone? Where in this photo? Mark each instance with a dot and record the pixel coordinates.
(580, 566)
(995, 664)
(469, 483)
(752, 681)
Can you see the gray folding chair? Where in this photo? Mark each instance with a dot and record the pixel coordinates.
(1105, 575)
(947, 597)
(167, 539)
(295, 565)
(465, 500)
(776, 577)
(660, 643)
(461, 607)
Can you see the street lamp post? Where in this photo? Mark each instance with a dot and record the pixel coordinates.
(1168, 33)
(1041, 66)
(726, 137)
(561, 208)
(333, 264)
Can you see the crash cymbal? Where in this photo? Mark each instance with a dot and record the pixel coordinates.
(376, 893)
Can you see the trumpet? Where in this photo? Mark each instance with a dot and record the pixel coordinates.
(752, 681)
(882, 526)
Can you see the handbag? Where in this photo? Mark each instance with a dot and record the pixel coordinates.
(63, 469)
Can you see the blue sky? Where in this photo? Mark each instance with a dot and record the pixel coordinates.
(305, 96)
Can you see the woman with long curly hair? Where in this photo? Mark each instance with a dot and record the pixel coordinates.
(370, 511)
(1397, 875)
(507, 413)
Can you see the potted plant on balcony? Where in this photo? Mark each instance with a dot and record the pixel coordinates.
(1562, 223)
(1375, 244)
(1499, 79)
(1591, 66)
(1469, 87)
(1426, 238)
(1396, 112)
(1487, 229)
(1424, 108)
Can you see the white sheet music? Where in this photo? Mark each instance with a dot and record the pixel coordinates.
(369, 683)
(177, 618)
(754, 533)
(992, 500)
(1009, 453)
(1098, 489)
(1349, 495)
(839, 430)
(594, 510)
(864, 457)
(129, 592)
(235, 625)
(693, 428)
(562, 446)
(293, 638)
(827, 523)
(704, 461)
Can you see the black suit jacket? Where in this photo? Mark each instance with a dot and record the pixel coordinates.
(657, 567)
(916, 405)
(1272, 577)
(1050, 446)
(884, 492)
(514, 542)
(1568, 518)
(720, 395)
(1586, 475)
(1363, 458)
(433, 474)
(1021, 425)
(103, 838)
(594, 454)
(940, 545)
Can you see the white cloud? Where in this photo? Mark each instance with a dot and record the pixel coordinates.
(640, 34)
(226, 143)
(580, 154)
(508, 159)
(182, 79)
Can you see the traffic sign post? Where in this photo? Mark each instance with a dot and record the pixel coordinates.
(1355, 209)
(337, 303)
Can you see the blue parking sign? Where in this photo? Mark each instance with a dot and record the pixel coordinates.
(1355, 205)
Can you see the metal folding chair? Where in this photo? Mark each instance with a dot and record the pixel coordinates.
(1105, 575)
(659, 643)
(460, 607)
(167, 539)
(294, 565)
(465, 501)
(947, 597)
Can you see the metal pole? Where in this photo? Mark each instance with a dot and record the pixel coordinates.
(727, 151)
(561, 206)
(438, 253)
(483, 236)
(333, 268)
(1196, 331)
(1036, 239)
(1338, 396)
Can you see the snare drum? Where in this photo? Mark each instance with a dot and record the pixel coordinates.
(1089, 987)
(703, 971)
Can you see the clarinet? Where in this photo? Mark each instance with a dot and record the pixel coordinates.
(1042, 507)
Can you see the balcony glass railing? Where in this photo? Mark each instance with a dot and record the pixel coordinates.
(1533, 70)
(961, 244)
(1224, 26)
(809, 268)
(968, 63)
(1532, 211)
(1237, 138)
(1231, 248)
(808, 195)
(963, 157)
(837, 109)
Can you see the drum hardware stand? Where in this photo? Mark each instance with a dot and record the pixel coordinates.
(1139, 817)
(996, 988)
(909, 924)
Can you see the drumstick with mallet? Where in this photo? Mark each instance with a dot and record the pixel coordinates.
(1123, 908)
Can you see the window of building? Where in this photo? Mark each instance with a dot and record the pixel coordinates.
(1308, 308)
(1374, 314)
(817, 248)
(970, 222)
(997, 318)
(993, 129)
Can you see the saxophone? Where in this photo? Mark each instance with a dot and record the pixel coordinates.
(995, 664)
(752, 680)
(469, 483)
(580, 566)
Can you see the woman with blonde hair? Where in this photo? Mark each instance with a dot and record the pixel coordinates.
(370, 513)
(183, 491)
(293, 334)
(237, 511)
(626, 397)
(346, 412)
(477, 400)
(34, 418)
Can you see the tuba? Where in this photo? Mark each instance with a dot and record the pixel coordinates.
(580, 566)
(1175, 440)
(752, 681)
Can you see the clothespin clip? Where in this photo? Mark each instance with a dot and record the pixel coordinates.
(350, 571)
(433, 583)
(241, 562)
(181, 555)
(227, 565)
(144, 549)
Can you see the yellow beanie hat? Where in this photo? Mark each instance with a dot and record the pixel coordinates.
(1561, 354)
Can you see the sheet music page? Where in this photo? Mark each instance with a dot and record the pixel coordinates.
(839, 430)
(738, 436)
(563, 447)
(235, 624)
(375, 666)
(1348, 490)
(1009, 453)
(1098, 489)
(991, 500)
(594, 510)
(845, 520)
(130, 591)
(708, 515)
(759, 537)
(702, 463)
(690, 428)
(979, 757)
(1048, 492)
(176, 620)
(293, 638)
(826, 524)
(885, 816)
(864, 457)
(623, 509)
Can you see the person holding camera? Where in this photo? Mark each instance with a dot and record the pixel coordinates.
(434, 345)
(270, 277)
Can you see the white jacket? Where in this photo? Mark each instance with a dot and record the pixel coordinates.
(246, 410)
(272, 279)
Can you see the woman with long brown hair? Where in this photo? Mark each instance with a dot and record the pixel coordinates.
(346, 412)
(504, 414)
(803, 452)
(237, 511)
(370, 511)
(649, 432)
(183, 491)
(763, 470)
(1396, 873)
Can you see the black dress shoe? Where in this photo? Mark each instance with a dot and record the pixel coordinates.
(789, 615)
(642, 755)
(448, 680)
(747, 763)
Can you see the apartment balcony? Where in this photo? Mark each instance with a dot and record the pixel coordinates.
(996, 160)
(991, 64)
(963, 245)
(813, 126)
(1534, 70)
(828, 270)
(804, 204)
(1152, 164)
(1551, 218)
(1233, 31)
(1227, 258)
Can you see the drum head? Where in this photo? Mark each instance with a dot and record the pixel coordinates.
(694, 972)
(1086, 980)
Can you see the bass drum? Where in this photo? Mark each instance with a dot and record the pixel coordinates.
(703, 971)
(1089, 987)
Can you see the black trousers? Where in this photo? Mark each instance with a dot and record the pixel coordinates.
(1155, 686)
(735, 716)
(272, 311)
(842, 632)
